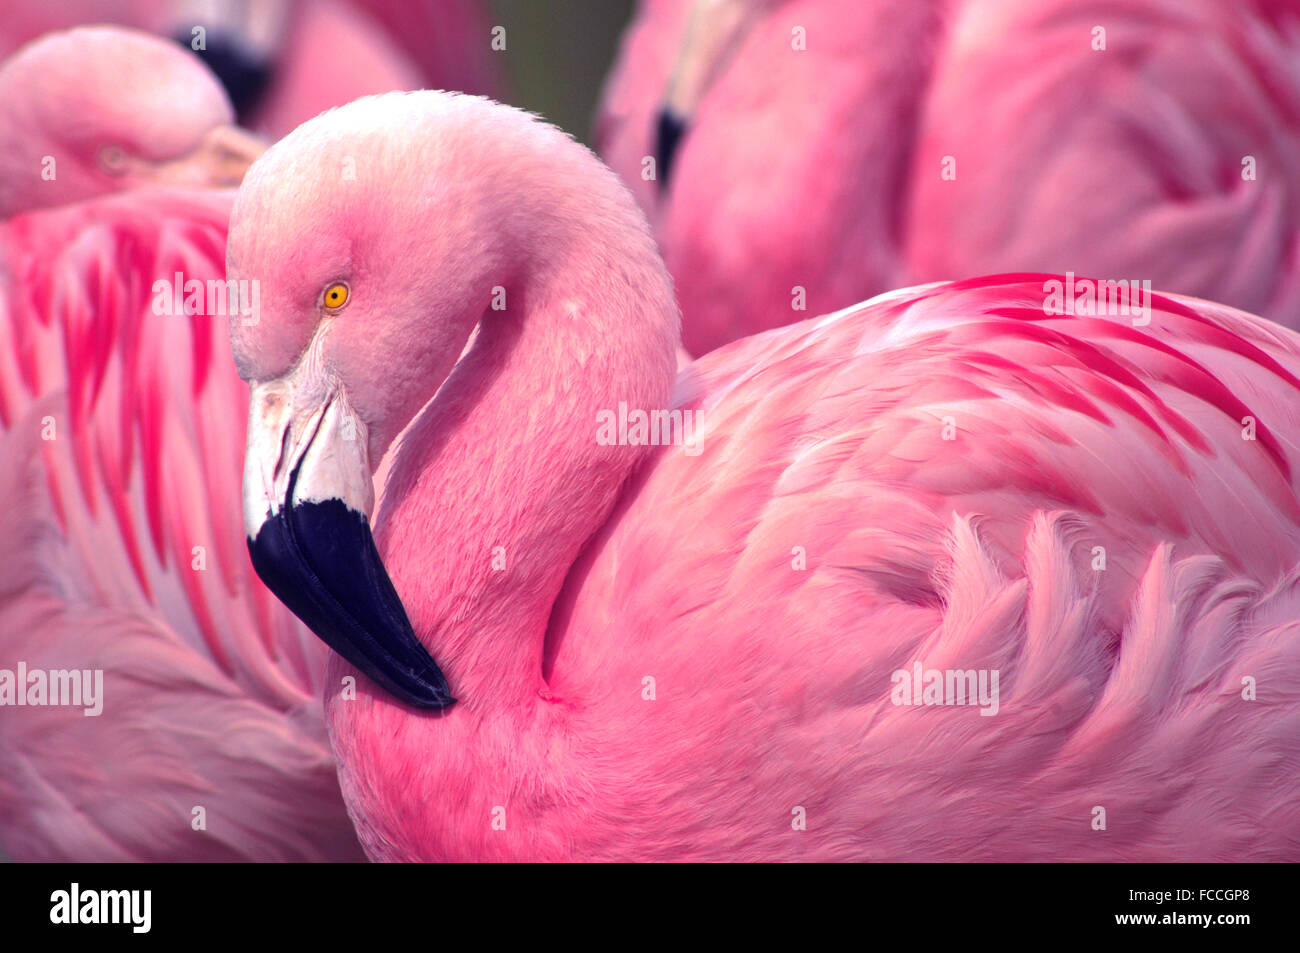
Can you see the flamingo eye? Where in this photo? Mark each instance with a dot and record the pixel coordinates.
(336, 296)
(112, 159)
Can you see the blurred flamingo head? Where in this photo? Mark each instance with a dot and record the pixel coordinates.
(99, 109)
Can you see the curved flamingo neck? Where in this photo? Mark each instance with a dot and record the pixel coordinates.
(501, 480)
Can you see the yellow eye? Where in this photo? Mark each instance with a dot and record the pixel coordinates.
(336, 296)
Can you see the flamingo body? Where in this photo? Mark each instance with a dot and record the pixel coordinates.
(656, 653)
(1120, 688)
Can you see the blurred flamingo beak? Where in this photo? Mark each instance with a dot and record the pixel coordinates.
(308, 494)
(220, 161)
(713, 33)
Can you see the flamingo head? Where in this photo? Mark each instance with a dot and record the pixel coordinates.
(376, 251)
(100, 109)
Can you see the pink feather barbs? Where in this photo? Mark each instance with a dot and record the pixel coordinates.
(669, 652)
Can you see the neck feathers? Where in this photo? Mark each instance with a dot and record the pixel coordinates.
(502, 479)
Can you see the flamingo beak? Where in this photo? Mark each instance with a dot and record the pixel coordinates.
(308, 495)
(219, 161)
(713, 32)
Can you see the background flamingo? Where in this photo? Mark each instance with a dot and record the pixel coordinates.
(660, 655)
(284, 61)
(120, 431)
(72, 130)
(935, 139)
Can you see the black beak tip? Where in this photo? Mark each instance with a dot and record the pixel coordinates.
(244, 76)
(435, 697)
(670, 128)
(320, 560)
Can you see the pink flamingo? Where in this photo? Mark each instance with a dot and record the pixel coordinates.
(120, 429)
(812, 153)
(692, 649)
(284, 61)
(72, 130)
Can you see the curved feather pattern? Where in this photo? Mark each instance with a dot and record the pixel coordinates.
(972, 484)
(123, 430)
(1168, 154)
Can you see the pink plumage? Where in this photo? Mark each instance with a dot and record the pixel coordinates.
(691, 650)
(314, 54)
(120, 429)
(831, 151)
(122, 556)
